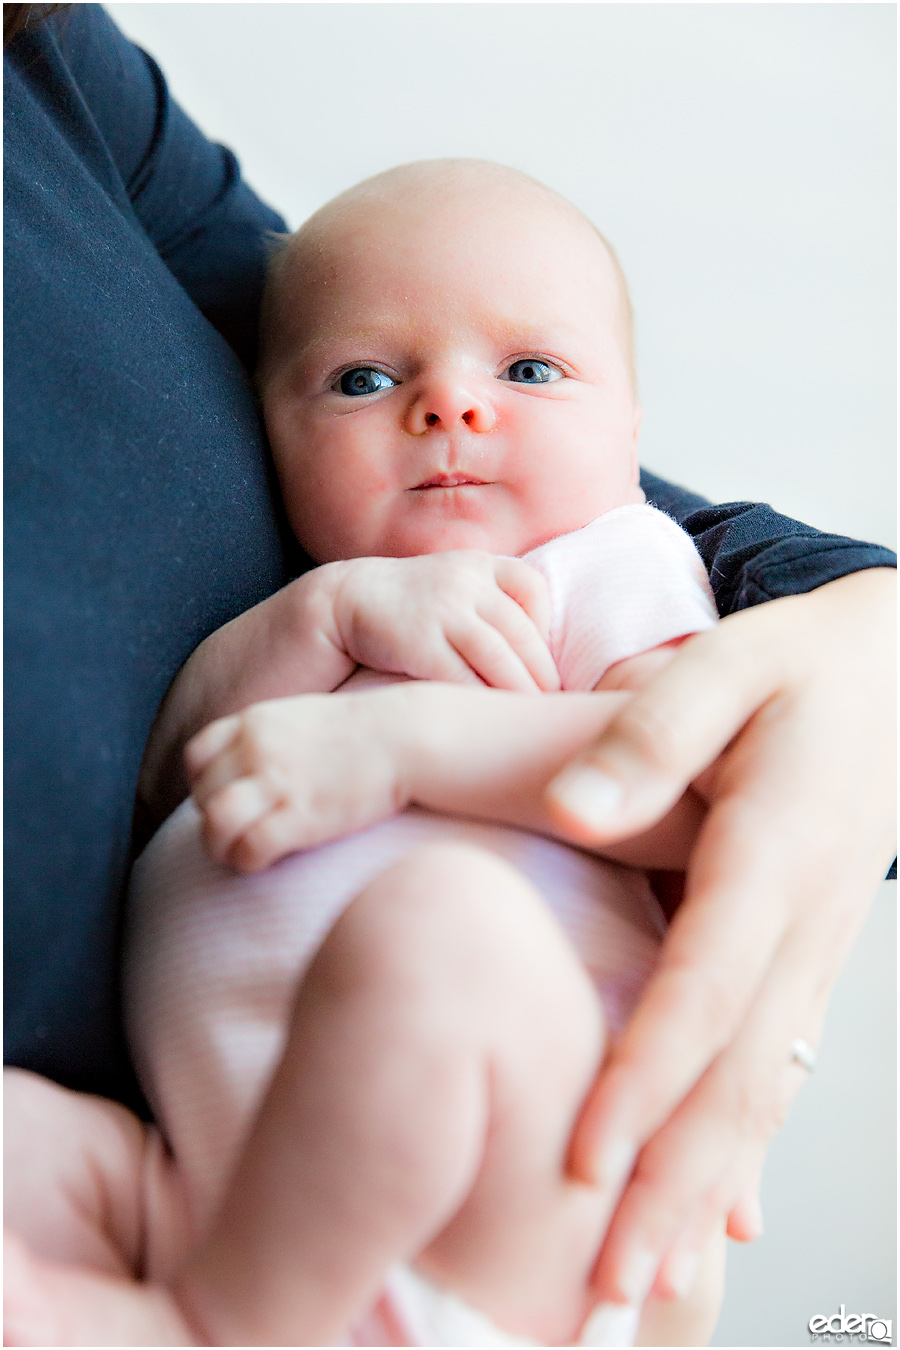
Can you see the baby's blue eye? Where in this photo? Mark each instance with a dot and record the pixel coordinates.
(364, 380)
(530, 371)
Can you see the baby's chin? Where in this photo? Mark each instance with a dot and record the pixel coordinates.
(465, 520)
(488, 537)
(504, 542)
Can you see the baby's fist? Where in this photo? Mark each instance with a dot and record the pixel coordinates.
(464, 616)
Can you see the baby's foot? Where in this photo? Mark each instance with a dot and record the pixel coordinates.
(47, 1303)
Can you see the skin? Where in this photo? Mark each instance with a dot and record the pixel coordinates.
(449, 748)
(678, 1123)
(364, 283)
(448, 453)
(800, 831)
(783, 714)
(679, 1076)
(424, 281)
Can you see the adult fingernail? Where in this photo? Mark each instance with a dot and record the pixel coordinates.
(681, 1272)
(612, 1163)
(611, 1324)
(587, 794)
(637, 1273)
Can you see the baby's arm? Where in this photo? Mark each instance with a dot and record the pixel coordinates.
(636, 672)
(462, 616)
(295, 772)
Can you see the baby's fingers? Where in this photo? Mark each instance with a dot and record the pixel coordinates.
(487, 652)
(228, 815)
(272, 835)
(203, 748)
(526, 663)
(224, 768)
(528, 588)
(442, 660)
(47, 1302)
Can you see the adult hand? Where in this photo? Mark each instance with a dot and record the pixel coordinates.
(782, 719)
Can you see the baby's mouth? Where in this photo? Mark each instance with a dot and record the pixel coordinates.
(450, 480)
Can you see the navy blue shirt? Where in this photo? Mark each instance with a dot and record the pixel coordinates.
(140, 510)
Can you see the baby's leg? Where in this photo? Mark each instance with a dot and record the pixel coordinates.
(440, 1047)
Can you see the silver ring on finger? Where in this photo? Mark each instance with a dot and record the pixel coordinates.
(803, 1054)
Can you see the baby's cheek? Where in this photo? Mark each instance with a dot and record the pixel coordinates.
(592, 462)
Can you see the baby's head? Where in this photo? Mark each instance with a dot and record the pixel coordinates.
(447, 363)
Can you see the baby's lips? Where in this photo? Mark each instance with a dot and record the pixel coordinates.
(450, 480)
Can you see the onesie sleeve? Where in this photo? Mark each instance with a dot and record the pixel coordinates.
(754, 554)
(628, 582)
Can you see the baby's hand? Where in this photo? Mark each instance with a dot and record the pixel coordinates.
(464, 617)
(294, 772)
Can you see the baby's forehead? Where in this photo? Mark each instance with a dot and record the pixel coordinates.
(477, 207)
(442, 224)
(514, 256)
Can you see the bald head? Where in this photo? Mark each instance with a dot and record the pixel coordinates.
(449, 202)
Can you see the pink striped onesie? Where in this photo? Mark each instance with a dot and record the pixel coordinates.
(214, 958)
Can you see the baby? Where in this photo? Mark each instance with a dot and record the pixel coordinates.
(383, 1042)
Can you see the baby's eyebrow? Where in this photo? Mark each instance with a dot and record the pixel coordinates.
(392, 334)
(556, 335)
(377, 332)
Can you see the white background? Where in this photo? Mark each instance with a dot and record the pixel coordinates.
(742, 160)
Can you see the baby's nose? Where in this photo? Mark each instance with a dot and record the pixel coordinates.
(444, 406)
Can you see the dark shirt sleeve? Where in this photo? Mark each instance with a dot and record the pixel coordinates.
(186, 192)
(753, 553)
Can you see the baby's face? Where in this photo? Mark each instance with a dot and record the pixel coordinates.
(449, 375)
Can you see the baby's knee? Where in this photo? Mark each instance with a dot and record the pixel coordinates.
(456, 961)
(454, 924)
